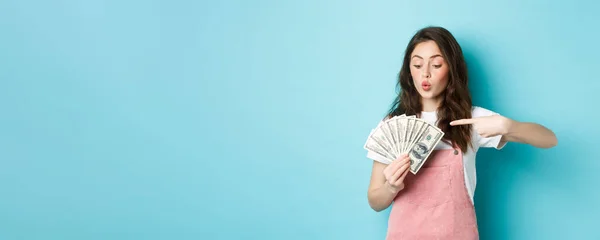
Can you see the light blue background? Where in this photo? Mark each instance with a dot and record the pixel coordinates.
(246, 119)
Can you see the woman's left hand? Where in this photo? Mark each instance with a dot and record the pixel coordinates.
(488, 126)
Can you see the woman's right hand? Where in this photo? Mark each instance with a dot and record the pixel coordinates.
(395, 173)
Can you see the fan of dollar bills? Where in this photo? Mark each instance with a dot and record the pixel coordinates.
(404, 134)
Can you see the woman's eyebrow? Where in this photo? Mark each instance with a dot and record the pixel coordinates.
(417, 56)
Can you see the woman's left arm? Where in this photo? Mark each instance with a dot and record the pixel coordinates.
(511, 130)
(529, 133)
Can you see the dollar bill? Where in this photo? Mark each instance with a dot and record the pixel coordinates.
(403, 134)
(380, 139)
(377, 153)
(409, 133)
(400, 133)
(375, 148)
(389, 137)
(419, 129)
(406, 134)
(421, 150)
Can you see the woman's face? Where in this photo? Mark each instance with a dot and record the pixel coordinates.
(429, 70)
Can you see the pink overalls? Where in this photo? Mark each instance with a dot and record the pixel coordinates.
(434, 204)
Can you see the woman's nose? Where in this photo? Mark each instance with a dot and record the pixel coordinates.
(425, 74)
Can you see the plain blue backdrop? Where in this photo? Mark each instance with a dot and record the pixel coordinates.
(246, 119)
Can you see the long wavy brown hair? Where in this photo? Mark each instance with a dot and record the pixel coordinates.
(456, 98)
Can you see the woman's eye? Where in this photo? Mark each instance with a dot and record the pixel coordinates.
(437, 66)
(417, 66)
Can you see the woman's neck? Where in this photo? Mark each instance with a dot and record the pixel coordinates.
(430, 104)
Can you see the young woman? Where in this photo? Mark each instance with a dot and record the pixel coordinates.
(437, 203)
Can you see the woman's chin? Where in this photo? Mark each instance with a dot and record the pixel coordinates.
(429, 95)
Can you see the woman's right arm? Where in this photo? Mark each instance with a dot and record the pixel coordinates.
(386, 182)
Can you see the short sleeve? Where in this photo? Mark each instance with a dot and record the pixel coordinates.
(487, 142)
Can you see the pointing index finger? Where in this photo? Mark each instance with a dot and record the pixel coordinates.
(462, 121)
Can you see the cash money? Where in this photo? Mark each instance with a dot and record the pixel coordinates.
(403, 134)
(422, 148)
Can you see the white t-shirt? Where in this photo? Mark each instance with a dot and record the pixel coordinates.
(468, 157)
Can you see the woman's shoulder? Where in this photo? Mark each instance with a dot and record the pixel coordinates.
(477, 111)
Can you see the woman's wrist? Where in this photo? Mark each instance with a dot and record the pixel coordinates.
(393, 189)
